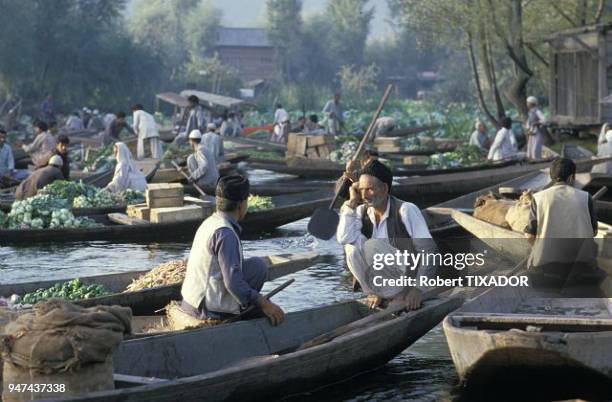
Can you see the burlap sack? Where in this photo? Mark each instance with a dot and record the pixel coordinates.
(6, 316)
(179, 320)
(518, 214)
(490, 208)
(58, 337)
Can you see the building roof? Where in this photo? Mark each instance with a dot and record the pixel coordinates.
(242, 37)
(211, 100)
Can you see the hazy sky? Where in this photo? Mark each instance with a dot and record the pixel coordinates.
(250, 13)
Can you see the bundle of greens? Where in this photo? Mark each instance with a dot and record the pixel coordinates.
(464, 155)
(71, 290)
(259, 203)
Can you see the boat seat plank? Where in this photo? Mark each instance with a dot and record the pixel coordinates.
(123, 219)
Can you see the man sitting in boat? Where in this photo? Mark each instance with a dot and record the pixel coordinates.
(219, 282)
(42, 146)
(201, 163)
(562, 224)
(372, 213)
(40, 178)
(127, 175)
(504, 145)
(61, 149)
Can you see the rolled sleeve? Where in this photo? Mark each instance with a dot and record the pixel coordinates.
(226, 246)
(349, 226)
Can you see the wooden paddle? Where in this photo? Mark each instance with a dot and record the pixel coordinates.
(324, 221)
(429, 294)
(252, 306)
(195, 185)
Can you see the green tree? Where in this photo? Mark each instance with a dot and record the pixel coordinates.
(284, 27)
(201, 27)
(350, 26)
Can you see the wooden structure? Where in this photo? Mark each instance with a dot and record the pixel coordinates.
(287, 209)
(249, 52)
(218, 363)
(146, 302)
(581, 76)
(515, 338)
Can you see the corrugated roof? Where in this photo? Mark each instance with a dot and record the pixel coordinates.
(242, 37)
(173, 98)
(208, 99)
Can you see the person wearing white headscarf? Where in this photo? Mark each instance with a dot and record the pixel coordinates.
(604, 149)
(479, 137)
(535, 136)
(127, 175)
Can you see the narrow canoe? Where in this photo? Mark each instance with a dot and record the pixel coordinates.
(520, 339)
(147, 301)
(251, 360)
(288, 208)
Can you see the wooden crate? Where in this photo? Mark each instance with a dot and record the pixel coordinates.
(177, 214)
(165, 202)
(319, 140)
(416, 160)
(388, 148)
(160, 195)
(292, 143)
(140, 211)
(167, 176)
(387, 141)
(208, 206)
(311, 153)
(323, 151)
(301, 145)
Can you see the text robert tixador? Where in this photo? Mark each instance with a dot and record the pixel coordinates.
(458, 261)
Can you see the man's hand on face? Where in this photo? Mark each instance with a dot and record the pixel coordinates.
(274, 313)
(355, 196)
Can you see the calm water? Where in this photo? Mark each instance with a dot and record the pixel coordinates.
(422, 372)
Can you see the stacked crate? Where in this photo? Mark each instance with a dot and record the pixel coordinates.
(310, 146)
(387, 144)
(166, 202)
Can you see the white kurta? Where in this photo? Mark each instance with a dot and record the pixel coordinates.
(604, 149)
(202, 168)
(350, 236)
(145, 128)
(213, 142)
(334, 118)
(504, 145)
(280, 116)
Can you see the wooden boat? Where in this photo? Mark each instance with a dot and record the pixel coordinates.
(147, 301)
(517, 338)
(218, 363)
(329, 170)
(288, 208)
(259, 143)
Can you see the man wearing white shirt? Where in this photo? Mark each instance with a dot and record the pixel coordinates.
(504, 146)
(371, 213)
(146, 129)
(280, 115)
(535, 135)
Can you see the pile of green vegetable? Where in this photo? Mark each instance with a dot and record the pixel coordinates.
(80, 195)
(345, 152)
(71, 290)
(43, 211)
(174, 152)
(259, 203)
(100, 160)
(464, 155)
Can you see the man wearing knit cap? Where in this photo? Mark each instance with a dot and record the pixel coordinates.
(219, 282)
(374, 222)
(40, 178)
(535, 135)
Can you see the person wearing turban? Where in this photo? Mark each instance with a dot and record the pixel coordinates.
(372, 222)
(220, 283)
(535, 135)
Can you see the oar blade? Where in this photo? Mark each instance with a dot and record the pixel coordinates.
(323, 223)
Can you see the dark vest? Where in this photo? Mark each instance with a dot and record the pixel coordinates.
(396, 230)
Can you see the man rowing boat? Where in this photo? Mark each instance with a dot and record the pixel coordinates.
(372, 213)
(220, 283)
